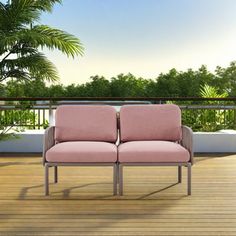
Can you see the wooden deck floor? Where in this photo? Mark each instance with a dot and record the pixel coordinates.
(82, 202)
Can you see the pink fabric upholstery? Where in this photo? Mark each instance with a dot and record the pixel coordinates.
(150, 122)
(152, 151)
(82, 152)
(86, 123)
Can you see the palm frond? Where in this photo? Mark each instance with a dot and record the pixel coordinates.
(31, 66)
(22, 12)
(44, 36)
(14, 73)
(57, 39)
(207, 91)
(17, 14)
(46, 5)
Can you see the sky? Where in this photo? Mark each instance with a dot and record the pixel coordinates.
(144, 37)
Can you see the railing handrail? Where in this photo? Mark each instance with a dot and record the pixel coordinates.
(115, 99)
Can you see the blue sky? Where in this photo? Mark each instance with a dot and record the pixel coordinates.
(144, 37)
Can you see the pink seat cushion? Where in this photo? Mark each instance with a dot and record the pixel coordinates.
(82, 152)
(150, 122)
(152, 151)
(86, 123)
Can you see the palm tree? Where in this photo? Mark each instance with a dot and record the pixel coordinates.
(21, 39)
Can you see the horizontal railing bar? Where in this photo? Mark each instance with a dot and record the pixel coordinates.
(95, 99)
(190, 107)
(214, 107)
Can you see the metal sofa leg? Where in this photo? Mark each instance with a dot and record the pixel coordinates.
(120, 180)
(179, 174)
(189, 178)
(115, 179)
(117, 173)
(46, 180)
(55, 174)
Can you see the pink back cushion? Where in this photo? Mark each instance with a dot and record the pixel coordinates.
(85, 123)
(150, 122)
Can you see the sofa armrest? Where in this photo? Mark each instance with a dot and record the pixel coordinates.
(187, 140)
(48, 141)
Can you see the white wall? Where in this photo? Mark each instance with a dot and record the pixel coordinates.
(221, 141)
(29, 141)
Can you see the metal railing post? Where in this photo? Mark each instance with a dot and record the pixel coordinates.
(50, 113)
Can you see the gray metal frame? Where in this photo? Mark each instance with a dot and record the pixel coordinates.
(56, 164)
(179, 164)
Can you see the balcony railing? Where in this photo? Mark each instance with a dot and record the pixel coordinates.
(202, 114)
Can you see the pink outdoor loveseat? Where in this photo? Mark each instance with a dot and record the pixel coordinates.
(153, 135)
(84, 136)
(87, 135)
